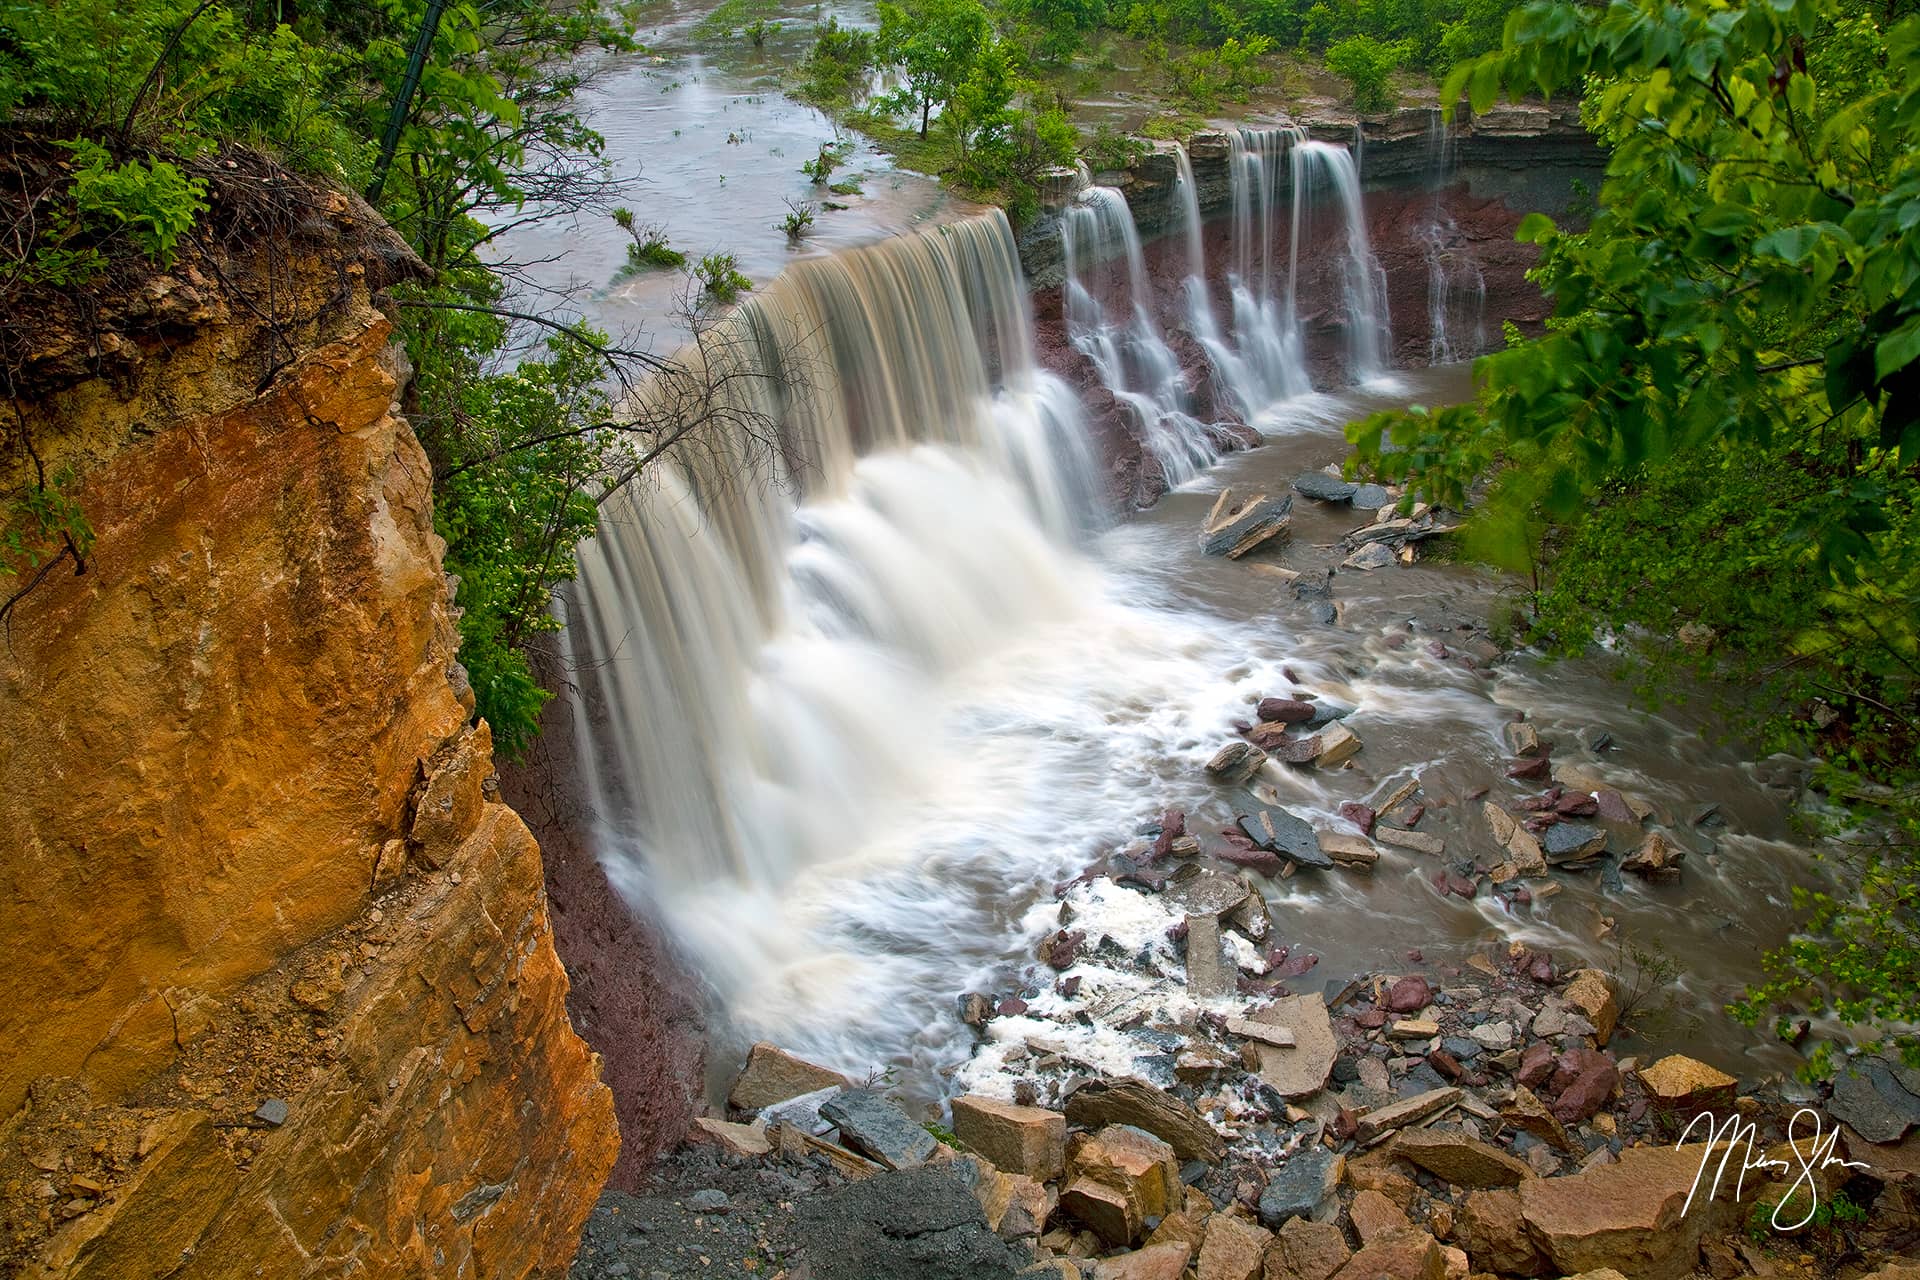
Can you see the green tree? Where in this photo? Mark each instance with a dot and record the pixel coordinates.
(1741, 314)
(936, 44)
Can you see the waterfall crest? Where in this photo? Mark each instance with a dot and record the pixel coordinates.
(754, 617)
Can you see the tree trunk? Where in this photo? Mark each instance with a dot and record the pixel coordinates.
(926, 107)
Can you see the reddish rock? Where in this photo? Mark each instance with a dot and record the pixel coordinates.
(1359, 815)
(1409, 994)
(1536, 1065)
(1582, 1099)
(1285, 710)
(1060, 949)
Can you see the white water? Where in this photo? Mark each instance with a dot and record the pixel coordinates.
(851, 707)
(1363, 280)
(1110, 322)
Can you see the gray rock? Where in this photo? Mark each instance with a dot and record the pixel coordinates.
(922, 1224)
(1284, 833)
(1303, 1187)
(1462, 1048)
(708, 1201)
(1572, 841)
(1318, 484)
(874, 1125)
(1375, 555)
(1867, 1096)
(1494, 1035)
(272, 1112)
(1371, 497)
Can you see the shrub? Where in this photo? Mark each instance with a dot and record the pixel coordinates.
(798, 222)
(1367, 65)
(153, 201)
(720, 277)
(649, 250)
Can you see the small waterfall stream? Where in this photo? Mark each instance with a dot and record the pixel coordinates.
(1111, 322)
(1456, 287)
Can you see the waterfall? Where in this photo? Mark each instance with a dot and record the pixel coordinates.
(1363, 281)
(1456, 287)
(1265, 328)
(756, 618)
(1110, 321)
(1232, 372)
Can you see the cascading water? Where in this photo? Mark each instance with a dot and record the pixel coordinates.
(1456, 287)
(1106, 270)
(1265, 328)
(1363, 282)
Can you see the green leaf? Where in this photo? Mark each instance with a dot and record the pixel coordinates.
(1897, 350)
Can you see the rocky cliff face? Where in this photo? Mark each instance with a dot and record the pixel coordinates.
(1441, 207)
(283, 997)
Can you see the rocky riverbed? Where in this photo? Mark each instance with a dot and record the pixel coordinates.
(1172, 1086)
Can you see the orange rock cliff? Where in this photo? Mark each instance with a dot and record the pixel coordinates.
(282, 998)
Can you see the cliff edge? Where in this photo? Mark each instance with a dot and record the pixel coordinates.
(283, 996)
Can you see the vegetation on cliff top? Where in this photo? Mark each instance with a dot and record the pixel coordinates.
(1714, 454)
(459, 120)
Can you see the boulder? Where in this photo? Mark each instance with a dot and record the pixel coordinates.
(1657, 856)
(874, 1125)
(748, 1140)
(1236, 762)
(774, 1075)
(1373, 1215)
(1411, 1254)
(1307, 1250)
(1286, 834)
(1155, 1262)
(1589, 991)
(1322, 487)
(1410, 994)
(1118, 1178)
(1232, 530)
(1405, 1112)
(1181, 1227)
(1099, 1103)
(1285, 710)
(1374, 555)
(1628, 1215)
(1025, 1140)
(1234, 1249)
(1528, 858)
(1522, 739)
(1338, 744)
(920, 1224)
(1677, 1079)
(1529, 1115)
(1302, 1069)
(1370, 497)
(1573, 842)
(1869, 1096)
(1305, 1185)
(1209, 974)
(1463, 1161)
(1496, 1235)
(1588, 1092)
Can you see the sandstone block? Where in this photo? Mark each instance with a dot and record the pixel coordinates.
(1463, 1161)
(773, 1075)
(1026, 1140)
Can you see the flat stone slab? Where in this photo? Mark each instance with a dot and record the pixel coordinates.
(1286, 834)
(922, 1224)
(1302, 1069)
(1405, 1112)
(1463, 1161)
(1868, 1096)
(1099, 1103)
(874, 1125)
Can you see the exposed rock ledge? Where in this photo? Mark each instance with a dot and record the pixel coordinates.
(282, 999)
